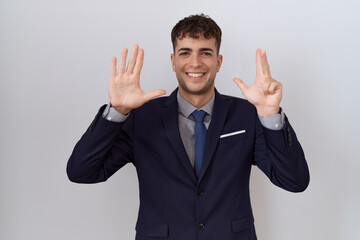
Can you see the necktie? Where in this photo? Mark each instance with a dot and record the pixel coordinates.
(200, 139)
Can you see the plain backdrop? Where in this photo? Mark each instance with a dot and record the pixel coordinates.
(54, 70)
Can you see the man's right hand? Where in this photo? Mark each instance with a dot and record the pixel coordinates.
(124, 87)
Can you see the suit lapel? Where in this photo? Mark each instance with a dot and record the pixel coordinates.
(171, 124)
(219, 115)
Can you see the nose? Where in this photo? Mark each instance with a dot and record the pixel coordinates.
(195, 61)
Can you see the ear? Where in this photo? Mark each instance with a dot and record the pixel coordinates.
(219, 62)
(172, 56)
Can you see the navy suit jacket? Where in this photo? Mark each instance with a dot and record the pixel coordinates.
(174, 203)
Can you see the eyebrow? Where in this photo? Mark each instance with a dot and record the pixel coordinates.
(206, 49)
(201, 49)
(184, 49)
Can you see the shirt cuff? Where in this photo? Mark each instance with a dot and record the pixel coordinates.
(112, 115)
(275, 122)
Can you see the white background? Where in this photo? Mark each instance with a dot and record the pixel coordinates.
(54, 70)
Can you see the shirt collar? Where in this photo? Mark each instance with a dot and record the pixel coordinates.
(186, 108)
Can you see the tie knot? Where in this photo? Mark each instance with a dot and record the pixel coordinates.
(199, 115)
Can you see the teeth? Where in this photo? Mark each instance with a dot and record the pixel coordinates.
(195, 74)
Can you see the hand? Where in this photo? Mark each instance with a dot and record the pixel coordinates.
(124, 87)
(265, 93)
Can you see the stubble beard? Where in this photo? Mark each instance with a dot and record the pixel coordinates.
(207, 87)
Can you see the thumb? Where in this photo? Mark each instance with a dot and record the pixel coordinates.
(153, 94)
(243, 87)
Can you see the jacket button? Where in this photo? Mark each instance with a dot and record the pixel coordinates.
(201, 226)
(200, 192)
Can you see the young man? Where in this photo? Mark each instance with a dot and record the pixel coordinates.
(193, 150)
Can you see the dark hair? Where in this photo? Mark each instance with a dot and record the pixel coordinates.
(194, 26)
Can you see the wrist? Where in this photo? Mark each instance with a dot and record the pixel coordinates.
(121, 110)
(265, 111)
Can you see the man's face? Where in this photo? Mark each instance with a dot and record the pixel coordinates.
(196, 62)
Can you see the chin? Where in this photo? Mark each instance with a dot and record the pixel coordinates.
(195, 87)
(196, 90)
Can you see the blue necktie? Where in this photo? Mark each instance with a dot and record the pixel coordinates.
(200, 139)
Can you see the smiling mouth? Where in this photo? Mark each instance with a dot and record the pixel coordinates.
(195, 75)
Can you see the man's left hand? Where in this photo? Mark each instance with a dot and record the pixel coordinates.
(265, 93)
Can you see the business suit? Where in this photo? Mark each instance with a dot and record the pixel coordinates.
(174, 203)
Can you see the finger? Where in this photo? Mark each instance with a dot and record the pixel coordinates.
(258, 62)
(122, 63)
(132, 61)
(274, 86)
(265, 65)
(139, 62)
(243, 87)
(153, 94)
(113, 68)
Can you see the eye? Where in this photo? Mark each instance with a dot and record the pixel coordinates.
(184, 53)
(206, 53)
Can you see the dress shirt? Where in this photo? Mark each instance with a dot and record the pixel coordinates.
(187, 121)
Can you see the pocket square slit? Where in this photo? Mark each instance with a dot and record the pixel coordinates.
(232, 134)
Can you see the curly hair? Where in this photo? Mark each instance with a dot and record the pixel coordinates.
(194, 26)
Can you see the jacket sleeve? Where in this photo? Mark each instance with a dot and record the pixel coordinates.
(104, 148)
(279, 155)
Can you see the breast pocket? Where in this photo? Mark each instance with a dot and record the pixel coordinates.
(233, 136)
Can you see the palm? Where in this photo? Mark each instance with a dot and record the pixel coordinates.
(129, 95)
(265, 93)
(124, 87)
(258, 94)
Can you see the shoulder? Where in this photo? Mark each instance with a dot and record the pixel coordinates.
(238, 108)
(238, 103)
(157, 102)
(153, 106)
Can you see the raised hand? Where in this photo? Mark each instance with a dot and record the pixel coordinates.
(265, 93)
(124, 87)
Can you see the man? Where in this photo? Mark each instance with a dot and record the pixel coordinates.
(193, 150)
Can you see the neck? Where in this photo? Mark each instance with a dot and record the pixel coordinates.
(197, 100)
